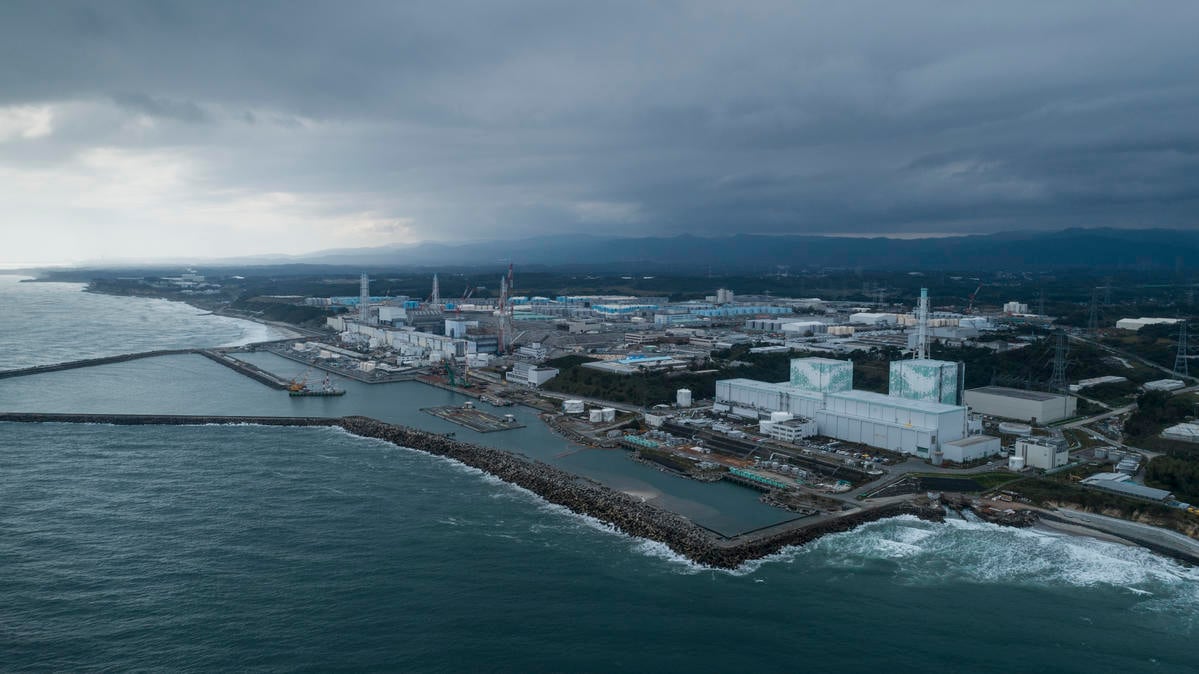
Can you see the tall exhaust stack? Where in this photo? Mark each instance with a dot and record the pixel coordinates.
(436, 298)
(922, 325)
(364, 298)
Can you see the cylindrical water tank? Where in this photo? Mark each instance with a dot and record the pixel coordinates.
(1015, 462)
(938, 457)
(1100, 452)
(596, 416)
(683, 397)
(608, 414)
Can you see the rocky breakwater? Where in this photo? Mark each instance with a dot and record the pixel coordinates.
(581, 495)
(630, 515)
(578, 494)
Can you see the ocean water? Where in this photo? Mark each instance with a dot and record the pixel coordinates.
(272, 549)
(54, 322)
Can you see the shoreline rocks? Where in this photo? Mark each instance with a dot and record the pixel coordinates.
(578, 494)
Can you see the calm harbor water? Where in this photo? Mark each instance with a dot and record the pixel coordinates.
(277, 549)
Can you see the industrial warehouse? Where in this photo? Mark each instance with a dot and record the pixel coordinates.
(910, 419)
(920, 414)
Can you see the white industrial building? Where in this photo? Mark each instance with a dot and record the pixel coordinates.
(970, 448)
(821, 389)
(925, 379)
(1013, 403)
(1135, 324)
(1120, 483)
(800, 328)
(1096, 381)
(876, 319)
(1043, 453)
(1185, 432)
(783, 426)
(898, 424)
(530, 374)
(753, 399)
(407, 341)
(1163, 385)
(1015, 308)
(824, 375)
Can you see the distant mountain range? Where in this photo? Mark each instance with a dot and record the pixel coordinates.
(1158, 249)
(1116, 249)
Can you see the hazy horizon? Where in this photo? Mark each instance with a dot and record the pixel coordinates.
(209, 130)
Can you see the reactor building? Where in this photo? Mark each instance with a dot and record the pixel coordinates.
(919, 415)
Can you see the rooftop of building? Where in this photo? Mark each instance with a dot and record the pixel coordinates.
(924, 361)
(1022, 394)
(972, 440)
(895, 401)
(1118, 482)
(818, 360)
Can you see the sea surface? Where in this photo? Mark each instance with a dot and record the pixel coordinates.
(247, 548)
(53, 322)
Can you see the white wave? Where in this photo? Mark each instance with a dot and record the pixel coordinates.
(925, 552)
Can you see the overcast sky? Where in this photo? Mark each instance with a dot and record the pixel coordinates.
(227, 128)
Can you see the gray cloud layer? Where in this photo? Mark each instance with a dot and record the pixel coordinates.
(349, 122)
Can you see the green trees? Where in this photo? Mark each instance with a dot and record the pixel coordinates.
(1156, 410)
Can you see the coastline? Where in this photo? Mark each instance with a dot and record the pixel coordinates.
(288, 330)
(580, 495)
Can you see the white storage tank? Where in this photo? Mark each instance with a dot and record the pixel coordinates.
(608, 414)
(938, 457)
(596, 416)
(683, 397)
(1015, 462)
(572, 406)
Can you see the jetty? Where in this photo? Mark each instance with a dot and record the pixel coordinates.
(579, 494)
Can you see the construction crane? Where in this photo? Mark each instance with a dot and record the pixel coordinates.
(452, 377)
(299, 383)
(970, 306)
(466, 295)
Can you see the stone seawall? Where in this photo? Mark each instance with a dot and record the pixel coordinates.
(581, 495)
(89, 362)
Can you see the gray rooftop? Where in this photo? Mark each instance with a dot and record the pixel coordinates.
(971, 440)
(1015, 393)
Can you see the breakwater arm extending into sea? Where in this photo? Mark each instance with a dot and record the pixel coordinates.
(219, 356)
(580, 495)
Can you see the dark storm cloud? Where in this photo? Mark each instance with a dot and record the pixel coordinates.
(496, 119)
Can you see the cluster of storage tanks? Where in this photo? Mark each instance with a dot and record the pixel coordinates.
(780, 468)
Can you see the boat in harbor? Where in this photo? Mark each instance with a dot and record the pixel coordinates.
(300, 389)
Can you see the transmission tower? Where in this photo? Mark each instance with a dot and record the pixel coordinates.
(1060, 348)
(1093, 318)
(1180, 360)
(1107, 292)
(1041, 304)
